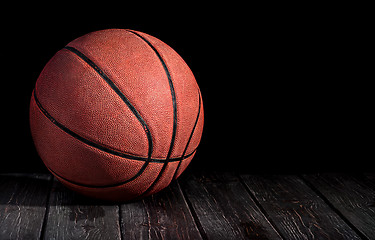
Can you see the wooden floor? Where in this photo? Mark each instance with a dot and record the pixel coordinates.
(197, 206)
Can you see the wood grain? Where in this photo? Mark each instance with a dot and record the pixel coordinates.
(23, 200)
(224, 208)
(72, 216)
(352, 195)
(296, 210)
(200, 205)
(164, 215)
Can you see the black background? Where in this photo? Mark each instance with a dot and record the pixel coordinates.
(282, 91)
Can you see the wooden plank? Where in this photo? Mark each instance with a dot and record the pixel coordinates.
(224, 208)
(296, 210)
(164, 215)
(72, 216)
(23, 200)
(352, 195)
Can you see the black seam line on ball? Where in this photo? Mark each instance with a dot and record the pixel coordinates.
(125, 100)
(95, 145)
(119, 93)
(191, 134)
(173, 94)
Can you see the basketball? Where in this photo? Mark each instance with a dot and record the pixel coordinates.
(116, 115)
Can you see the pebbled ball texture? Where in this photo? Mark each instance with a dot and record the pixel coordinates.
(116, 115)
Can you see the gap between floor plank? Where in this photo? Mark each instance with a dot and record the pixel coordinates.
(331, 205)
(260, 206)
(45, 219)
(192, 212)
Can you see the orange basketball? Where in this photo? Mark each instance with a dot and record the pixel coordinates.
(116, 115)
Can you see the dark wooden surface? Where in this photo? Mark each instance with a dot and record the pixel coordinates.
(207, 205)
